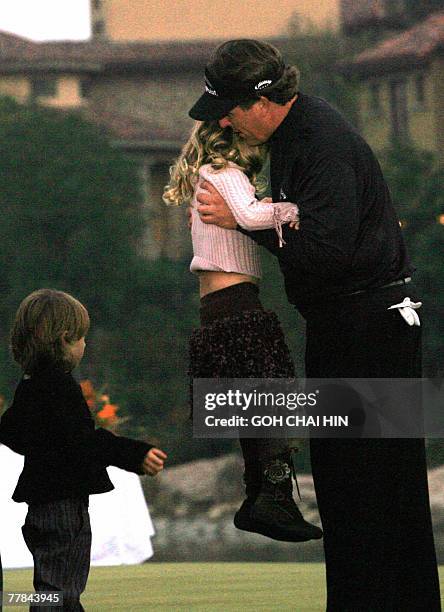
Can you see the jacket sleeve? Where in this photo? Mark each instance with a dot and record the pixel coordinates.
(239, 194)
(99, 445)
(11, 434)
(329, 221)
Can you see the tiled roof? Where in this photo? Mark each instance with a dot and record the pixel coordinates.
(414, 46)
(136, 131)
(11, 43)
(103, 56)
(100, 56)
(131, 132)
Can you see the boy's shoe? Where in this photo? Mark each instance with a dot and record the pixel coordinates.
(274, 513)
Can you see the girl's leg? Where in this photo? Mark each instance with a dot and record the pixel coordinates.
(270, 508)
(252, 473)
(238, 339)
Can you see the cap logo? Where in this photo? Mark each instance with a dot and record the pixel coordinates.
(209, 88)
(263, 84)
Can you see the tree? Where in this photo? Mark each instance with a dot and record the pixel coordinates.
(318, 53)
(71, 214)
(416, 181)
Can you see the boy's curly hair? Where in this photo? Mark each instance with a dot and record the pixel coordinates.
(41, 320)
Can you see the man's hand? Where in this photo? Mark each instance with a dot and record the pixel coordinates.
(213, 208)
(153, 462)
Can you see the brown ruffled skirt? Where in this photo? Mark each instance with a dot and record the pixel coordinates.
(239, 339)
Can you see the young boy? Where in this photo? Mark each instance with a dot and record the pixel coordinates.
(49, 422)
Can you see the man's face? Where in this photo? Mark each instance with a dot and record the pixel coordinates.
(252, 125)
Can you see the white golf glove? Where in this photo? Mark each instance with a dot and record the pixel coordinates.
(407, 309)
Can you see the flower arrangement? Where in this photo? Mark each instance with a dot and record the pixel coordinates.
(103, 412)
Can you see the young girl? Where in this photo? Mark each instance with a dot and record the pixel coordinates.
(238, 338)
(49, 422)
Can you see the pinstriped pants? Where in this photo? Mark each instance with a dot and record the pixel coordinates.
(58, 534)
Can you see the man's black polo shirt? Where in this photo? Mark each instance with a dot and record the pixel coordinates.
(350, 237)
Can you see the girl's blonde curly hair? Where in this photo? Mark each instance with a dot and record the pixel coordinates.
(211, 144)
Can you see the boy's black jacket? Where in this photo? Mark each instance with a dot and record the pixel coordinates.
(49, 422)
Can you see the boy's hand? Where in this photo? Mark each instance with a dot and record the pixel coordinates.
(153, 462)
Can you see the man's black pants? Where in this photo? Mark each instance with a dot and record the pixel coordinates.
(58, 534)
(372, 493)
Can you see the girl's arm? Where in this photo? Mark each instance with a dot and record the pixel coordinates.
(249, 212)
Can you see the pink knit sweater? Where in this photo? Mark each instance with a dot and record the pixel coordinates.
(223, 250)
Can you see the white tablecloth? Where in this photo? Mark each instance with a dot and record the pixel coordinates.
(120, 520)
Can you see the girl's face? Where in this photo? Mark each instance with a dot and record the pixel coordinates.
(76, 348)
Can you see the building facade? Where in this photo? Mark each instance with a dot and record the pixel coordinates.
(401, 82)
(139, 91)
(148, 20)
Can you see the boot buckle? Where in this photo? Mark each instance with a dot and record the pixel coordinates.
(277, 471)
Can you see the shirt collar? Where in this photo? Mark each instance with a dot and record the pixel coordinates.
(291, 121)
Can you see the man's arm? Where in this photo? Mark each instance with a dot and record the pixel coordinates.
(329, 222)
(239, 196)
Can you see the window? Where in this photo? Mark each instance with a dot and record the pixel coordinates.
(85, 88)
(399, 110)
(44, 86)
(420, 92)
(375, 100)
(99, 27)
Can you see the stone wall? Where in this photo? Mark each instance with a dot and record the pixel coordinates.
(192, 506)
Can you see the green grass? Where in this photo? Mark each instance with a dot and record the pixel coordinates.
(204, 587)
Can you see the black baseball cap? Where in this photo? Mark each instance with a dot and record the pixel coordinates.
(222, 95)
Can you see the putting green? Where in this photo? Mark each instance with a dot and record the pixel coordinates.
(203, 587)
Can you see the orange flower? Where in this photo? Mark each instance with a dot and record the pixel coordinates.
(88, 392)
(108, 413)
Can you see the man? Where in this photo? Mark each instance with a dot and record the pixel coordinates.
(343, 270)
